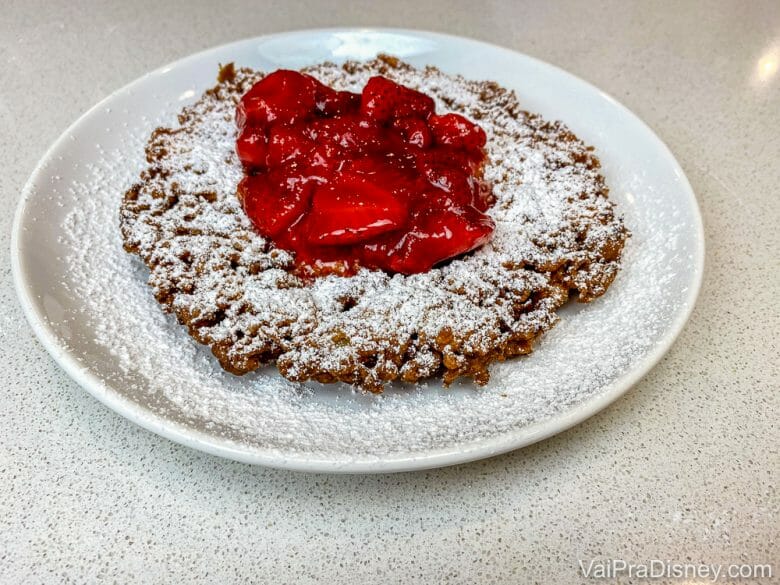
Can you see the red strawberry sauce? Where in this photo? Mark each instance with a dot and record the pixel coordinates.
(346, 180)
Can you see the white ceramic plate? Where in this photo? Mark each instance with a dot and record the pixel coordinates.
(592, 357)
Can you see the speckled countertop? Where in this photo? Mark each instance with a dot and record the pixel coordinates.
(684, 467)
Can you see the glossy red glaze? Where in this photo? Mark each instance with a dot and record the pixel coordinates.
(345, 180)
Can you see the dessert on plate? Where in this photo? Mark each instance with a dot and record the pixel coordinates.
(369, 222)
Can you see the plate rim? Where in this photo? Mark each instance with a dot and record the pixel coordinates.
(393, 462)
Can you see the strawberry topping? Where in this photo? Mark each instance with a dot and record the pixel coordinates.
(353, 209)
(346, 180)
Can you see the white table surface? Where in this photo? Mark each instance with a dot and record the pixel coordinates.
(684, 467)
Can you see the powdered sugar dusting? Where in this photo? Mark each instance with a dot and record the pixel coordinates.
(180, 379)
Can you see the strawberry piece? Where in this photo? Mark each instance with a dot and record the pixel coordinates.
(287, 144)
(444, 156)
(414, 131)
(455, 197)
(351, 210)
(329, 102)
(448, 177)
(453, 186)
(252, 147)
(456, 131)
(282, 97)
(453, 176)
(383, 99)
(273, 201)
(376, 252)
(379, 98)
(414, 104)
(438, 235)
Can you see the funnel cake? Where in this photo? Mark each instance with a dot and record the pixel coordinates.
(556, 236)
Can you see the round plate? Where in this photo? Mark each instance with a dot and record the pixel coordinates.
(90, 306)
